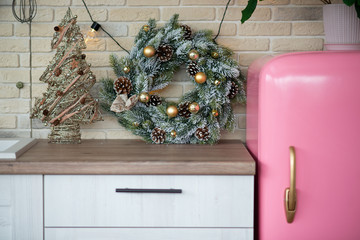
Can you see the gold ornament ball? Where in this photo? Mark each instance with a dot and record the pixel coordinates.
(194, 107)
(217, 82)
(172, 111)
(193, 55)
(144, 97)
(149, 51)
(200, 77)
(146, 28)
(136, 124)
(173, 133)
(215, 55)
(126, 69)
(215, 113)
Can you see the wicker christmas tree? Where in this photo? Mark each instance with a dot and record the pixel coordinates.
(67, 101)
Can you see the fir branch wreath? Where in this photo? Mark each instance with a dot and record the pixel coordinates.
(157, 54)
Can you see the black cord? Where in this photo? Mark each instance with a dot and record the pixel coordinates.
(114, 40)
(88, 11)
(104, 29)
(227, 5)
(32, 10)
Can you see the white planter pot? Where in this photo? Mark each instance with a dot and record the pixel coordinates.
(342, 27)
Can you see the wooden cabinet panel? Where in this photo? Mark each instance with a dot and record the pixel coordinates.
(205, 201)
(21, 207)
(149, 233)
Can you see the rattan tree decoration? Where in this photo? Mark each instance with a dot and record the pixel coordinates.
(67, 102)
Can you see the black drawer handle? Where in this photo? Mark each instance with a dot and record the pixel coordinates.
(142, 190)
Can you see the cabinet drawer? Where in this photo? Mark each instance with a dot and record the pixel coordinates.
(149, 233)
(205, 201)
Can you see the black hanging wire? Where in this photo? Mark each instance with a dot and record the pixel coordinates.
(227, 5)
(25, 13)
(95, 23)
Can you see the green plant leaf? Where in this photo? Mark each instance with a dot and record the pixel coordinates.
(249, 10)
(357, 8)
(349, 2)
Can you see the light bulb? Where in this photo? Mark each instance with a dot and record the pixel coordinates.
(91, 35)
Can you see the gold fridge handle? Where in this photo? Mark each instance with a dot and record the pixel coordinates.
(290, 193)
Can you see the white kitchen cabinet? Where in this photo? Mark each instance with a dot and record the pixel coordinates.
(21, 207)
(88, 207)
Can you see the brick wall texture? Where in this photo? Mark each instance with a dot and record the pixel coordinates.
(277, 26)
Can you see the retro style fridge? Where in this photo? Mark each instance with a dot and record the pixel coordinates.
(303, 127)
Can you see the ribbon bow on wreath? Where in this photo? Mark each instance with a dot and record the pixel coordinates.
(123, 103)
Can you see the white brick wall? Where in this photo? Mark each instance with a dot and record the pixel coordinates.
(276, 26)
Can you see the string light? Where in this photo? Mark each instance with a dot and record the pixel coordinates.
(93, 31)
(91, 35)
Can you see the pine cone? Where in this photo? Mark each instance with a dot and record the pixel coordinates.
(164, 52)
(187, 31)
(158, 136)
(155, 100)
(122, 85)
(192, 68)
(202, 134)
(184, 110)
(233, 90)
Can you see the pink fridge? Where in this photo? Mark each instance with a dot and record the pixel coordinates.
(303, 127)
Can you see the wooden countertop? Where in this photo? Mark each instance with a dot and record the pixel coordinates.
(132, 157)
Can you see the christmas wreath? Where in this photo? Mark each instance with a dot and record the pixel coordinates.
(157, 55)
